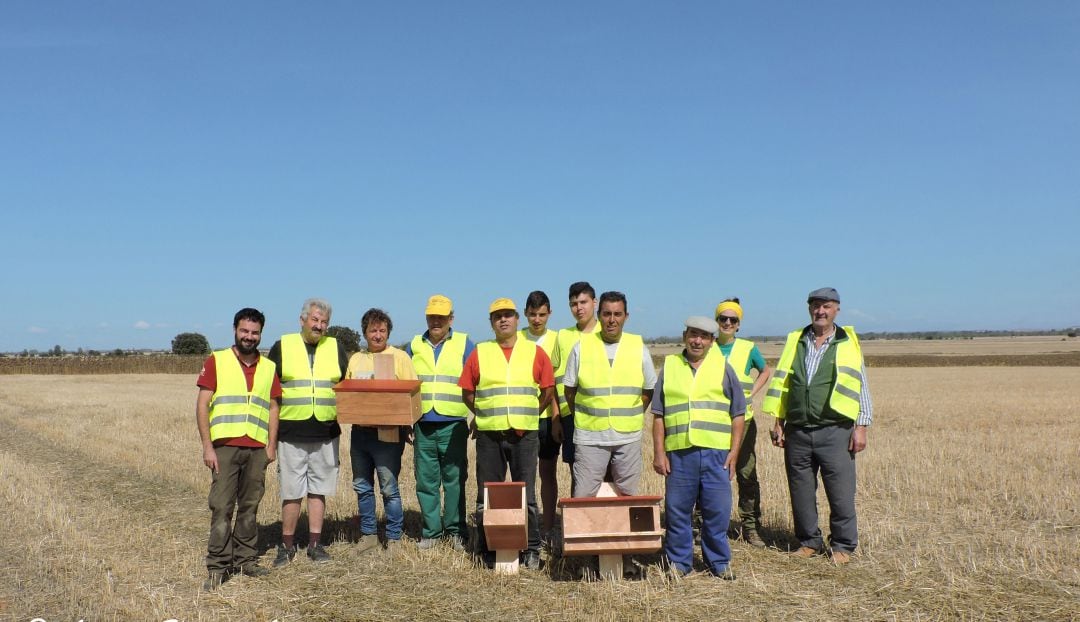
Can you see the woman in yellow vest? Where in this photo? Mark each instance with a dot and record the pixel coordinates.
(507, 382)
(744, 356)
(697, 428)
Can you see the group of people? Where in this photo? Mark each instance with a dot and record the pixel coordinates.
(527, 396)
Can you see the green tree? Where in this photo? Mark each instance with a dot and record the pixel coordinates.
(190, 343)
(347, 338)
(57, 351)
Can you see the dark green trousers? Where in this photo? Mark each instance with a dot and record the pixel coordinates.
(746, 476)
(440, 455)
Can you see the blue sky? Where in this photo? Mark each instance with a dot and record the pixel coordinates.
(164, 164)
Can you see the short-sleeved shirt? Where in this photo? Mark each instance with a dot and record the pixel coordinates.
(208, 380)
(362, 364)
(754, 361)
(609, 437)
(543, 375)
(433, 415)
(737, 399)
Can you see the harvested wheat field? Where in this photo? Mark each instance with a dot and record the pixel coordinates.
(969, 501)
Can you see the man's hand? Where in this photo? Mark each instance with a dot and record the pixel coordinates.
(858, 439)
(556, 429)
(661, 465)
(209, 458)
(729, 465)
(472, 428)
(271, 453)
(777, 434)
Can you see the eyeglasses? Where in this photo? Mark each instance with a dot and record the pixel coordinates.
(726, 319)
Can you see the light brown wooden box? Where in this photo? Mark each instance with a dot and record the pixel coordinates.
(378, 402)
(506, 516)
(611, 525)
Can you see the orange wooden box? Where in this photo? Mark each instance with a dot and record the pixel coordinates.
(378, 402)
(611, 525)
(506, 516)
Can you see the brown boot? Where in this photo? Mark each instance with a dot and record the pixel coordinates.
(805, 552)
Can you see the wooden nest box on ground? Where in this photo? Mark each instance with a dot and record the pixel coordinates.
(382, 401)
(506, 520)
(610, 527)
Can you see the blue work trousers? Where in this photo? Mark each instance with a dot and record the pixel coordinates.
(370, 458)
(698, 476)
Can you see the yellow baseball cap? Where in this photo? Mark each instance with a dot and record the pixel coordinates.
(439, 305)
(502, 304)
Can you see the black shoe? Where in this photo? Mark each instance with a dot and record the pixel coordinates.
(727, 574)
(284, 555)
(318, 554)
(531, 560)
(215, 579)
(253, 570)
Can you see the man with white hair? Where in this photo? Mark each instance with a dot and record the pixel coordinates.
(309, 364)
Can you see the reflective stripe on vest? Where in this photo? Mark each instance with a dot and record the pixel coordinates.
(566, 339)
(548, 345)
(844, 398)
(307, 391)
(506, 397)
(609, 395)
(696, 411)
(738, 359)
(235, 411)
(439, 390)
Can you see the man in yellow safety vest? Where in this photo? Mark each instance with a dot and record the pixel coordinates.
(237, 415)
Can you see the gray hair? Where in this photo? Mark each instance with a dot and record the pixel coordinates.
(317, 303)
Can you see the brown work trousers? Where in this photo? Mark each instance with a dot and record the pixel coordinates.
(237, 486)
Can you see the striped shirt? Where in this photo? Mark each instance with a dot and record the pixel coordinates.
(813, 360)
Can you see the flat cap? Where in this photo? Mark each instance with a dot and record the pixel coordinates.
(701, 322)
(824, 293)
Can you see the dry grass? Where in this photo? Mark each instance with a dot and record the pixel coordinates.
(968, 500)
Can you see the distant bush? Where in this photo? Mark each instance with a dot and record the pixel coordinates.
(190, 343)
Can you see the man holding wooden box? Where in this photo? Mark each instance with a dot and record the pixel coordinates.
(507, 382)
(369, 455)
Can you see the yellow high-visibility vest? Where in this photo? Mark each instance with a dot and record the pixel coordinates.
(565, 341)
(738, 359)
(548, 345)
(696, 411)
(235, 411)
(844, 398)
(506, 397)
(439, 389)
(609, 394)
(308, 390)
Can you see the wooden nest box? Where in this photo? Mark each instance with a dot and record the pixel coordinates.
(382, 401)
(506, 520)
(611, 525)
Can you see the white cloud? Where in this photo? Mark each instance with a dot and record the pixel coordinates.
(142, 325)
(37, 330)
(103, 325)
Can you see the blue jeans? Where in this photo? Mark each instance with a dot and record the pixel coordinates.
(371, 457)
(698, 474)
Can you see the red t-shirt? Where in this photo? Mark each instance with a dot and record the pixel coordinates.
(543, 374)
(208, 380)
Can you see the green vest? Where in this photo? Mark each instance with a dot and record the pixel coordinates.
(565, 340)
(609, 394)
(506, 397)
(837, 391)
(439, 389)
(738, 359)
(550, 338)
(235, 411)
(696, 411)
(305, 390)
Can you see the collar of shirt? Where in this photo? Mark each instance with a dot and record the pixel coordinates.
(449, 334)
